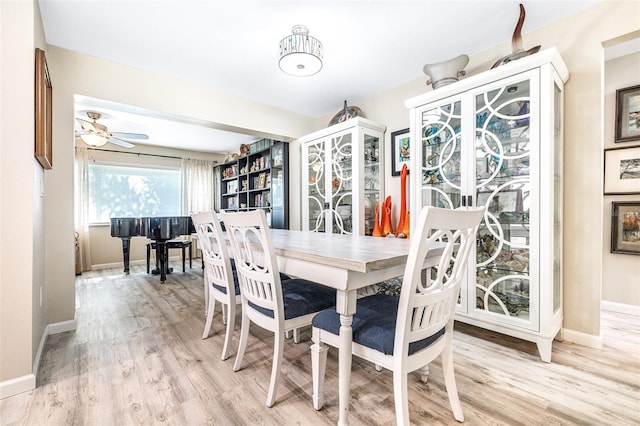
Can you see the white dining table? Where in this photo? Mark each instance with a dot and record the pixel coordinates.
(345, 263)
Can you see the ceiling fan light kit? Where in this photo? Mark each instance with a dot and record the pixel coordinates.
(300, 54)
(96, 134)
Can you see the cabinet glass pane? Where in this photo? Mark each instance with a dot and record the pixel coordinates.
(341, 184)
(502, 154)
(371, 180)
(440, 130)
(317, 190)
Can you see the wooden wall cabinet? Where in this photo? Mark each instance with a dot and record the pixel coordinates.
(342, 177)
(495, 139)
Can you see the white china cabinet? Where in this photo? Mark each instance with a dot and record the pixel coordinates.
(342, 177)
(495, 139)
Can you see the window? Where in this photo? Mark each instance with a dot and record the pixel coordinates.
(127, 191)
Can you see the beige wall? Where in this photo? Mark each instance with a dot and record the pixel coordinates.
(579, 39)
(19, 216)
(620, 272)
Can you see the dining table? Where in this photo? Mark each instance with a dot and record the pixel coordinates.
(346, 263)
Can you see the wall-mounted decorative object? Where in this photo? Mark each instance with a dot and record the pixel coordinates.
(446, 72)
(625, 227)
(347, 112)
(400, 150)
(628, 114)
(516, 43)
(622, 171)
(43, 101)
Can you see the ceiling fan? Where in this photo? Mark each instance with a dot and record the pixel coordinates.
(96, 134)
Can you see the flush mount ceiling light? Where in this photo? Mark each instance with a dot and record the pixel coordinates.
(300, 54)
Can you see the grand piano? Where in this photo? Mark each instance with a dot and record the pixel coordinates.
(159, 229)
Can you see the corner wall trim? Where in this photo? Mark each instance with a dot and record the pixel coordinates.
(61, 327)
(27, 383)
(18, 385)
(620, 308)
(579, 338)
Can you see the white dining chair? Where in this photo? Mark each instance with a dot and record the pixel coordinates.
(406, 333)
(220, 281)
(268, 301)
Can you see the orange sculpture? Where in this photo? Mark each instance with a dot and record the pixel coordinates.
(377, 230)
(386, 218)
(402, 231)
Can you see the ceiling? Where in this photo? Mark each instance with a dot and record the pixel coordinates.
(232, 46)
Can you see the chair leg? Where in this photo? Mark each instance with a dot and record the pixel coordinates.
(318, 366)
(206, 293)
(378, 367)
(183, 253)
(400, 396)
(278, 349)
(296, 335)
(231, 321)
(190, 257)
(450, 383)
(424, 374)
(287, 334)
(207, 324)
(244, 336)
(224, 314)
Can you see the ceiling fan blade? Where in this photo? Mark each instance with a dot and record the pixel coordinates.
(87, 125)
(125, 135)
(120, 142)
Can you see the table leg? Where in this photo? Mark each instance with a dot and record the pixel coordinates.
(346, 307)
(344, 368)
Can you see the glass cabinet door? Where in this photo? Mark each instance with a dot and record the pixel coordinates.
(340, 211)
(441, 159)
(372, 184)
(502, 184)
(316, 163)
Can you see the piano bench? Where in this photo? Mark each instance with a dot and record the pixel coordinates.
(171, 244)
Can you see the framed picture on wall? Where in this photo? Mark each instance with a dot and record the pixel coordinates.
(625, 227)
(622, 171)
(400, 150)
(628, 114)
(44, 118)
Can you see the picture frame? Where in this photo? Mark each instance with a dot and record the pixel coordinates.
(627, 114)
(625, 227)
(400, 150)
(622, 171)
(43, 112)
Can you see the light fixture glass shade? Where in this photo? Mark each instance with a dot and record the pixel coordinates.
(93, 139)
(300, 54)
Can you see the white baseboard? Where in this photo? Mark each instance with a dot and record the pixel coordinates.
(583, 339)
(18, 385)
(620, 308)
(27, 383)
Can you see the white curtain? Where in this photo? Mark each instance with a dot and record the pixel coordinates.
(197, 186)
(83, 253)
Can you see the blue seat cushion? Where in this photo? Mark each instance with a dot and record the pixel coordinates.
(302, 297)
(374, 324)
(236, 283)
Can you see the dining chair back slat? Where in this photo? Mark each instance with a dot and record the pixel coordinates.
(219, 278)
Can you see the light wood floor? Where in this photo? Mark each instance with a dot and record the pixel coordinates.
(137, 357)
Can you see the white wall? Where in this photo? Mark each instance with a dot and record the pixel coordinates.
(620, 272)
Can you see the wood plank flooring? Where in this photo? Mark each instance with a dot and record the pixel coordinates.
(137, 358)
